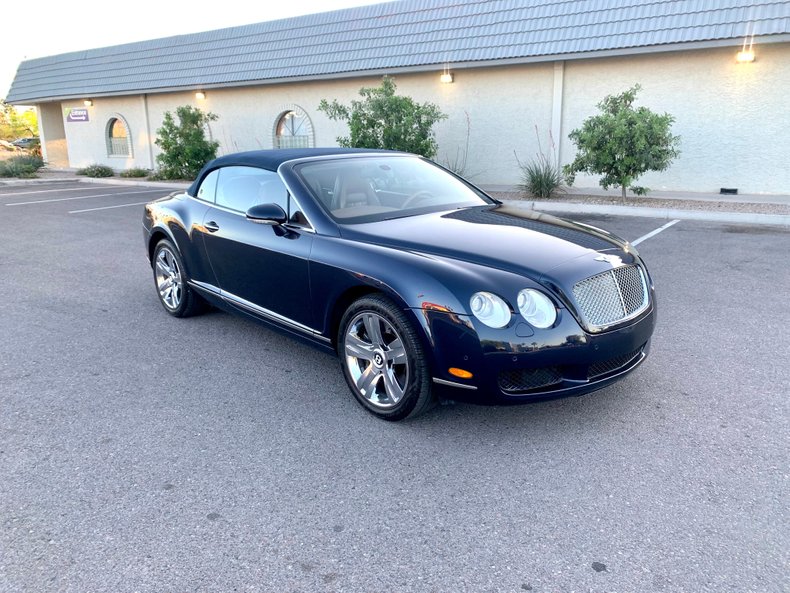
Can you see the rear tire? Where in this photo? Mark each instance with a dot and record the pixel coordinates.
(171, 282)
(383, 360)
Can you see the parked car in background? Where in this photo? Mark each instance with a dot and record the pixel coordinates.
(421, 283)
(27, 143)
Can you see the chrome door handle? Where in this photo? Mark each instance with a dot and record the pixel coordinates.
(211, 226)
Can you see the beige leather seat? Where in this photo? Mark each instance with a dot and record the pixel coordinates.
(353, 191)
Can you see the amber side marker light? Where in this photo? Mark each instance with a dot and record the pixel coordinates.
(461, 373)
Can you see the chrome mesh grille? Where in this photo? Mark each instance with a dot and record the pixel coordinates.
(518, 380)
(605, 367)
(611, 296)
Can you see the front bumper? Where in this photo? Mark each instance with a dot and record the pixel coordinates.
(518, 364)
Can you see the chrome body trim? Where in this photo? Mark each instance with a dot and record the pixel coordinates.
(205, 286)
(311, 228)
(454, 384)
(260, 311)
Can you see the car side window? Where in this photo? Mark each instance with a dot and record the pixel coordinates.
(240, 188)
(209, 186)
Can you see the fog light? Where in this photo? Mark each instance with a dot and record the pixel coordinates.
(461, 373)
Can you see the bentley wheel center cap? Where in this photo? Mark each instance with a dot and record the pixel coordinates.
(378, 359)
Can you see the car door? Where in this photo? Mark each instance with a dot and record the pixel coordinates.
(259, 267)
(190, 242)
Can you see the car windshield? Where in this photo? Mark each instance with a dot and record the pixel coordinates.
(367, 189)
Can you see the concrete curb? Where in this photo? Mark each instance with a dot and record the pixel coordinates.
(648, 212)
(99, 180)
(110, 181)
(539, 205)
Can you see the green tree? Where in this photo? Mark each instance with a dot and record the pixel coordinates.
(383, 119)
(17, 124)
(185, 148)
(622, 142)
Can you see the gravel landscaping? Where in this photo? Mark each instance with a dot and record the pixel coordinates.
(727, 203)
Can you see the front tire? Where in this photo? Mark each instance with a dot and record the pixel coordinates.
(383, 360)
(170, 280)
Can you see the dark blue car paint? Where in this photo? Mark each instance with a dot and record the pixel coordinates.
(430, 265)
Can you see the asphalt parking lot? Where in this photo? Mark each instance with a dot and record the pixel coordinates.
(144, 453)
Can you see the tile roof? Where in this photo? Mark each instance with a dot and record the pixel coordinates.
(396, 36)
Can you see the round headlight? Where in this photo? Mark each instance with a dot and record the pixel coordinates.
(536, 308)
(490, 309)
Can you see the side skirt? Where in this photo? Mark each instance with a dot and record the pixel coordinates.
(234, 303)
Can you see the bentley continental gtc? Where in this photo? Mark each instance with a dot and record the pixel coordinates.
(422, 285)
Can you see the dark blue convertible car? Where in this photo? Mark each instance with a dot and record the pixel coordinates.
(423, 285)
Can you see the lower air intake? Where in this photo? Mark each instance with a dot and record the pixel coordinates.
(599, 369)
(520, 380)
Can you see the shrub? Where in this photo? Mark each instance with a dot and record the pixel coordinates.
(96, 171)
(185, 148)
(621, 143)
(460, 163)
(16, 123)
(383, 119)
(541, 177)
(135, 172)
(23, 167)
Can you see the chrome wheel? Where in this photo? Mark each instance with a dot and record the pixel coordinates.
(169, 281)
(376, 359)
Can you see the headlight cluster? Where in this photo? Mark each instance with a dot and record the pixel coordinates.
(535, 307)
(490, 309)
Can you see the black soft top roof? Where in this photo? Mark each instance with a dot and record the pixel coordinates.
(271, 159)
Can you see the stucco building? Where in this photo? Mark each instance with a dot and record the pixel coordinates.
(515, 73)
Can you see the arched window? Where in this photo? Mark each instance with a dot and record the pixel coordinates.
(119, 141)
(293, 129)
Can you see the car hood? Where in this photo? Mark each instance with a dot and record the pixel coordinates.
(497, 236)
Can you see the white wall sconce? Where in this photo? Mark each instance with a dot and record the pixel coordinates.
(447, 76)
(200, 95)
(745, 56)
(88, 102)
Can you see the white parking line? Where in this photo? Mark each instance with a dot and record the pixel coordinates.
(654, 233)
(44, 191)
(123, 193)
(107, 207)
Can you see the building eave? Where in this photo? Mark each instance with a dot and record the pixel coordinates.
(367, 73)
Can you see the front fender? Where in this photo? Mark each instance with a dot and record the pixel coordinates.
(413, 281)
(180, 219)
(432, 290)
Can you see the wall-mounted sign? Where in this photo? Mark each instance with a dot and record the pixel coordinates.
(76, 114)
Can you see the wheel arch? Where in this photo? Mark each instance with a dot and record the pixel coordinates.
(342, 303)
(354, 293)
(157, 235)
(409, 280)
